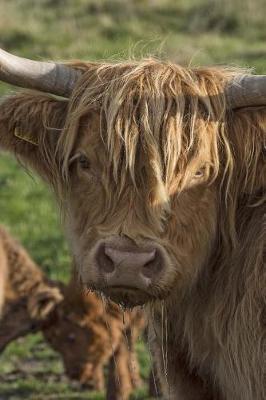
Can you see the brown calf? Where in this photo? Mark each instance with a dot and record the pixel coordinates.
(87, 332)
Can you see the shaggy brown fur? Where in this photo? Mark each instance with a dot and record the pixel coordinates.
(83, 329)
(28, 296)
(87, 332)
(165, 162)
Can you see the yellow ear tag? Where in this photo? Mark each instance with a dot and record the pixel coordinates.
(27, 137)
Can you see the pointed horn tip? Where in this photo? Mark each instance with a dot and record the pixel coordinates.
(51, 77)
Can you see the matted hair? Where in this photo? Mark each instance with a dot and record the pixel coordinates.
(167, 109)
(168, 114)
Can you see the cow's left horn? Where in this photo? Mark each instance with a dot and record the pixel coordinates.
(50, 77)
(246, 90)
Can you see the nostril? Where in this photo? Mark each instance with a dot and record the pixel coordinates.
(129, 262)
(153, 266)
(105, 262)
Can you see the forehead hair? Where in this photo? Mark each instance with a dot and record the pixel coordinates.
(151, 112)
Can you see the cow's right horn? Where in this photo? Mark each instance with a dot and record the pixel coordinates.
(58, 79)
(246, 91)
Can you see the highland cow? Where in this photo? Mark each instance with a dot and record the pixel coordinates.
(86, 332)
(161, 173)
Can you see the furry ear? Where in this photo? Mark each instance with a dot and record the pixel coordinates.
(44, 302)
(30, 126)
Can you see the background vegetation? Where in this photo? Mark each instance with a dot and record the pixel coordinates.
(191, 32)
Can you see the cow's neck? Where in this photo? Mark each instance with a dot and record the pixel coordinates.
(175, 325)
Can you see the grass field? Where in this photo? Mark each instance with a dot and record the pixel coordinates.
(192, 32)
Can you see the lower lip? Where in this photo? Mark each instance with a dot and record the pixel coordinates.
(123, 288)
(127, 297)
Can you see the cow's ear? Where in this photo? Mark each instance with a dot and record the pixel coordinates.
(43, 303)
(30, 126)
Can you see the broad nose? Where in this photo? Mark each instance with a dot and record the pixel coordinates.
(129, 266)
(117, 257)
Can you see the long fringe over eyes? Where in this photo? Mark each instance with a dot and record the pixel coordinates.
(162, 110)
(164, 115)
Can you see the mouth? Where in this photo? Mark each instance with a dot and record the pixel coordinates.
(127, 296)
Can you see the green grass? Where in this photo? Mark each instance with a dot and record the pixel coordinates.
(28, 209)
(197, 31)
(30, 369)
(191, 32)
